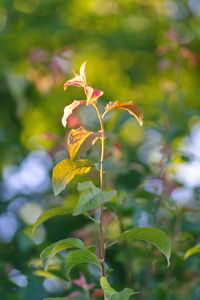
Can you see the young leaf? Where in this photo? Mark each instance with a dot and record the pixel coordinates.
(92, 94)
(152, 235)
(192, 251)
(69, 109)
(52, 212)
(65, 171)
(112, 294)
(130, 106)
(79, 79)
(77, 257)
(54, 248)
(80, 140)
(91, 198)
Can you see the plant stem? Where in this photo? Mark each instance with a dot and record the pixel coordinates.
(101, 234)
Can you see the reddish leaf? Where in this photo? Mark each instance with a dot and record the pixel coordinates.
(81, 281)
(97, 293)
(188, 54)
(73, 121)
(69, 109)
(130, 106)
(80, 140)
(92, 94)
(79, 79)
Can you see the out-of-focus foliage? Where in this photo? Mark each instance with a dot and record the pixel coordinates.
(146, 51)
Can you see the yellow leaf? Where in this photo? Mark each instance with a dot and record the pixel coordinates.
(65, 171)
(45, 274)
(130, 106)
(80, 140)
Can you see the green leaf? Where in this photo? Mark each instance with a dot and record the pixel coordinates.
(112, 294)
(53, 249)
(80, 140)
(56, 211)
(152, 235)
(91, 197)
(82, 186)
(77, 257)
(192, 251)
(65, 171)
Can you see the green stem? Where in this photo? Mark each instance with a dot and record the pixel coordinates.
(102, 184)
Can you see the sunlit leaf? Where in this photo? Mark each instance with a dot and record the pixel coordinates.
(54, 248)
(130, 106)
(152, 235)
(56, 211)
(79, 79)
(80, 140)
(91, 197)
(77, 257)
(92, 94)
(42, 273)
(65, 171)
(192, 251)
(69, 109)
(112, 294)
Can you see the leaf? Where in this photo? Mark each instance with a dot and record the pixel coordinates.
(91, 197)
(79, 79)
(69, 109)
(112, 294)
(54, 248)
(92, 94)
(65, 171)
(42, 273)
(130, 106)
(155, 236)
(85, 185)
(192, 251)
(80, 140)
(77, 257)
(56, 211)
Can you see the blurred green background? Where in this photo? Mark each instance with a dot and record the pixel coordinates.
(142, 50)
